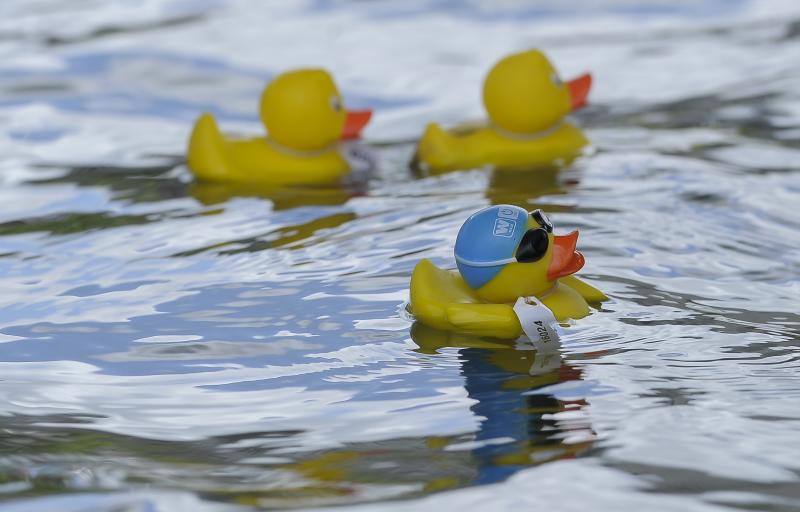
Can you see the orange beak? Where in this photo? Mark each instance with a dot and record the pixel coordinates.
(355, 121)
(566, 260)
(579, 90)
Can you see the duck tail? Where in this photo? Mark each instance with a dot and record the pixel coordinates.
(437, 150)
(589, 293)
(206, 153)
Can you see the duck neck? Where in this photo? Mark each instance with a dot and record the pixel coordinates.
(526, 137)
(301, 153)
(547, 292)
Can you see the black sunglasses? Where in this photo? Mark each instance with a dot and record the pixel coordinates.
(535, 241)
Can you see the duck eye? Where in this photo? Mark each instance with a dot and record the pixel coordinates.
(543, 220)
(556, 80)
(336, 103)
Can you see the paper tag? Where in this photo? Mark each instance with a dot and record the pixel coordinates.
(538, 323)
(545, 362)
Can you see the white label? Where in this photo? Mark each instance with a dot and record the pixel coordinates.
(544, 363)
(538, 323)
(504, 228)
(508, 213)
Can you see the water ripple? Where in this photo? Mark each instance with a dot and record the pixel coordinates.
(167, 345)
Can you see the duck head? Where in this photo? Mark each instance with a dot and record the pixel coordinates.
(524, 94)
(503, 253)
(304, 110)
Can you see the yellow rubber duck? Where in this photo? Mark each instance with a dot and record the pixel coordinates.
(305, 119)
(526, 102)
(503, 253)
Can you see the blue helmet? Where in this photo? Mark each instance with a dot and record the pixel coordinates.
(487, 242)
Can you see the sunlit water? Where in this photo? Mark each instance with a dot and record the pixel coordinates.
(169, 346)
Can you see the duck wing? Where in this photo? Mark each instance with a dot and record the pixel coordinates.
(493, 320)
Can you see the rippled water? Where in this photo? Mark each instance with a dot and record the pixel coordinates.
(167, 346)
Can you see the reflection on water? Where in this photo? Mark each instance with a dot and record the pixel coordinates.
(519, 187)
(134, 184)
(281, 198)
(520, 424)
(169, 345)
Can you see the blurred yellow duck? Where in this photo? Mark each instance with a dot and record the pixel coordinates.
(527, 103)
(502, 253)
(305, 119)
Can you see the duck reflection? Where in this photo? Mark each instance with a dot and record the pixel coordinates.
(514, 186)
(519, 426)
(282, 198)
(294, 235)
(518, 185)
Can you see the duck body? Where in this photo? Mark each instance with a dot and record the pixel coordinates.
(478, 298)
(216, 158)
(442, 299)
(442, 151)
(526, 103)
(305, 120)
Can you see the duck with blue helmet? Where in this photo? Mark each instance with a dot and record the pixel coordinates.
(526, 102)
(305, 119)
(502, 253)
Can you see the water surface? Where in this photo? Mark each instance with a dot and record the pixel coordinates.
(166, 345)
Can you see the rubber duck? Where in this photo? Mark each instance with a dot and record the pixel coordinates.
(502, 253)
(526, 102)
(305, 119)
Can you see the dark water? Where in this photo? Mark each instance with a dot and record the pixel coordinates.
(169, 346)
